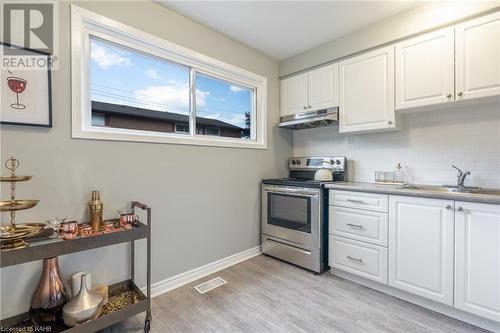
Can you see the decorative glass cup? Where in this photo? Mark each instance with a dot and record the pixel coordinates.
(55, 223)
(68, 230)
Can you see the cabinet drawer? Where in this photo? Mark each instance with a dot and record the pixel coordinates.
(359, 225)
(366, 260)
(360, 200)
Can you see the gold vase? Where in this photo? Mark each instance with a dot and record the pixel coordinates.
(50, 295)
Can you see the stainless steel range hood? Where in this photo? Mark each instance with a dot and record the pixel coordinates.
(311, 119)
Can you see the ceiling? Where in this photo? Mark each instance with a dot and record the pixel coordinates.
(282, 29)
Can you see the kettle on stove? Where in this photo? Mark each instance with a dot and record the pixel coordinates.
(323, 173)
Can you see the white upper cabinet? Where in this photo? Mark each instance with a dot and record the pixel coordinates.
(323, 88)
(294, 95)
(425, 70)
(312, 91)
(421, 249)
(366, 91)
(478, 57)
(477, 259)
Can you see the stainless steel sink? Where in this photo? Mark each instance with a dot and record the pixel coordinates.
(454, 188)
(486, 191)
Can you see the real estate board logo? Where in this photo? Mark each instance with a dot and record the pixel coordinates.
(28, 27)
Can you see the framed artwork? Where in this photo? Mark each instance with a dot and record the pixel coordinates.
(26, 97)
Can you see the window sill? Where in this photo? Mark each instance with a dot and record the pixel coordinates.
(171, 138)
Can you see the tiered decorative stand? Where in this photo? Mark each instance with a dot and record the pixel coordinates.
(12, 235)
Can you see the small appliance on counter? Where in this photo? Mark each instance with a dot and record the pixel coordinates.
(295, 211)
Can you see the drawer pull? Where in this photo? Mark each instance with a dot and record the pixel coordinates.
(355, 259)
(356, 201)
(355, 225)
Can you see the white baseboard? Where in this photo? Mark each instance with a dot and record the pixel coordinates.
(423, 302)
(178, 280)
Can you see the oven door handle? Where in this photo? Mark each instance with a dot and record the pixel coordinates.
(295, 193)
(291, 191)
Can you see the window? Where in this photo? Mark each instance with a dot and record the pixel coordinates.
(225, 107)
(128, 85)
(182, 127)
(98, 119)
(136, 91)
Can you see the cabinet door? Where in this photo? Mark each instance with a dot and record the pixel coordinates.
(478, 57)
(323, 87)
(294, 95)
(425, 70)
(421, 247)
(366, 91)
(477, 259)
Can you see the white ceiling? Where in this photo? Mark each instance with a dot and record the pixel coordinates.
(282, 29)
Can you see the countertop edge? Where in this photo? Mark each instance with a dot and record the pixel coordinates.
(421, 193)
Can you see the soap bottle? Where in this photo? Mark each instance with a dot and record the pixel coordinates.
(398, 174)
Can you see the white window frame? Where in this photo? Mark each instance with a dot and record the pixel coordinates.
(85, 24)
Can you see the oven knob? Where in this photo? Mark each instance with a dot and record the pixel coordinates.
(293, 162)
(298, 162)
(338, 162)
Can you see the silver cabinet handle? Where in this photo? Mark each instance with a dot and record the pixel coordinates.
(460, 94)
(356, 201)
(355, 259)
(355, 225)
(389, 122)
(448, 96)
(448, 207)
(460, 209)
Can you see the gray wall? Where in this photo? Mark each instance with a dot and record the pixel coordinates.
(418, 20)
(205, 200)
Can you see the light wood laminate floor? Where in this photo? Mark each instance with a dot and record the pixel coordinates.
(267, 295)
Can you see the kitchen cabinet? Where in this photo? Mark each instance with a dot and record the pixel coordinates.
(357, 224)
(421, 238)
(369, 201)
(477, 259)
(323, 88)
(366, 92)
(294, 95)
(478, 57)
(425, 70)
(311, 91)
(359, 258)
(358, 234)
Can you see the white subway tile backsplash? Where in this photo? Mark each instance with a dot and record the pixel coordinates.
(427, 145)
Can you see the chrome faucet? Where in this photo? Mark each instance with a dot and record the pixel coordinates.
(461, 177)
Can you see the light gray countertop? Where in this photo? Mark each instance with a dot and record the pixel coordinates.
(424, 191)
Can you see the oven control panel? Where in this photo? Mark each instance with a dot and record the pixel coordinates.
(316, 162)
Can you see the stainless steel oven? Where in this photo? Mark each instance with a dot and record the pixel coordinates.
(291, 225)
(294, 212)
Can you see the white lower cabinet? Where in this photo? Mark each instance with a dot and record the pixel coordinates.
(361, 225)
(421, 233)
(366, 260)
(443, 250)
(477, 259)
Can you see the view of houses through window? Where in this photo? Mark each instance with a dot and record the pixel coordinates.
(137, 91)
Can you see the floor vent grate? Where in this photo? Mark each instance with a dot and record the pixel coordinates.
(210, 284)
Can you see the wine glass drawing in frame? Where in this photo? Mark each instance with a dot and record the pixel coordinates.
(16, 85)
